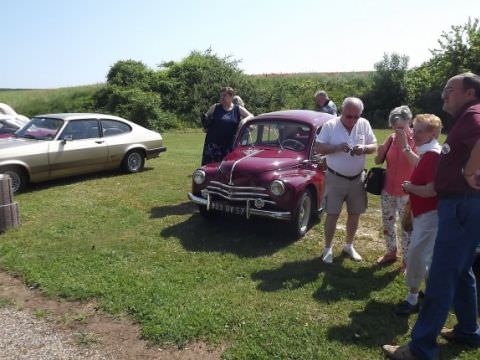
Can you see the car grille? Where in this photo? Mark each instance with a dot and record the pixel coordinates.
(239, 193)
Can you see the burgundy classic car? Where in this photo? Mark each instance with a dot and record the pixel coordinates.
(271, 172)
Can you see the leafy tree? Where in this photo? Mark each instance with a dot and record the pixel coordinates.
(141, 107)
(129, 94)
(190, 86)
(458, 52)
(388, 88)
(130, 73)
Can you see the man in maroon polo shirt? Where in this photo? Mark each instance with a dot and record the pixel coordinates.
(451, 281)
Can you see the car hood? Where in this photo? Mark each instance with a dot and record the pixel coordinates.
(250, 162)
(13, 142)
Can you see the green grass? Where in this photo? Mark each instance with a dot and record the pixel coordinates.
(41, 313)
(138, 246)
(31, 102)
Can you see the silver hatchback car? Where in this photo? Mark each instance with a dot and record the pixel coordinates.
(60, 145)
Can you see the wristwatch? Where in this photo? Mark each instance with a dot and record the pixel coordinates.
(407, 148)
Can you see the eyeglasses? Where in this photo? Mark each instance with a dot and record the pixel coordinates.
(450, 89)
(350, 117)
(447, 90)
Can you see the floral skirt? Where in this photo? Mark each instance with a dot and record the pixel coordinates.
(214, 153)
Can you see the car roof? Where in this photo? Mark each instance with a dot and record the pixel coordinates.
(312, 117)
(75, 116)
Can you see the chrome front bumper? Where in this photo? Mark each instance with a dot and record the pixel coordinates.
(279, 215)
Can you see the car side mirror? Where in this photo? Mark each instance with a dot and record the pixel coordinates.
(67, 138)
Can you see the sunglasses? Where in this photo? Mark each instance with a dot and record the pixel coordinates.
(350, 117)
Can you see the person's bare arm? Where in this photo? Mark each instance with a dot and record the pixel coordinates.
(325, 149)
(380, 157)
(382, 151)
(245, 115)
(425, 191)
(211, 110)
(413, 158)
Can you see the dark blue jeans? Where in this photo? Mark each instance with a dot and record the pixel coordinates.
(451, 280)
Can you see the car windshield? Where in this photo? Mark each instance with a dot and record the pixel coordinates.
(40, 128)
(284, 134)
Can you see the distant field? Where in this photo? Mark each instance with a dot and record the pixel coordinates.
(31, 102)
(317, 74)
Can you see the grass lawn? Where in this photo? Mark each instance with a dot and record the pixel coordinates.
(134, 243)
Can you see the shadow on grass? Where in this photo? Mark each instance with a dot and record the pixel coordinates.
(184, 208)
(375, 326)
(452, 351)
(226, 234)
(354, 283)
(291, 275)
(338, 282)
(76, 179)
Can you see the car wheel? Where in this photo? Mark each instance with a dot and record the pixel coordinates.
(303, 213)
(19, 179)
(133, 161)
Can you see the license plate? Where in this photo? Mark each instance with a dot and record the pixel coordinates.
(227, 208)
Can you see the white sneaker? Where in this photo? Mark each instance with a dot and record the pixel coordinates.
(352, 253)
(327, 256)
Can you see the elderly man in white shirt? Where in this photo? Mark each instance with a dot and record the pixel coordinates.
(345, 140)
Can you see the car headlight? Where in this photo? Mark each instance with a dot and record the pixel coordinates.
(199, 176)
(277, 187)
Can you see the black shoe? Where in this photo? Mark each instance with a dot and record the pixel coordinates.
(406, 309)
(450, 336)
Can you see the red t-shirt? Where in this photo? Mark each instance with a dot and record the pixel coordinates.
(456, 151)
(424, 173)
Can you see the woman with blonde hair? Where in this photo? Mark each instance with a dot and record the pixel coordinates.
(423, 199)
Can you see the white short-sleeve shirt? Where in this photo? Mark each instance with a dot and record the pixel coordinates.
(333, 133)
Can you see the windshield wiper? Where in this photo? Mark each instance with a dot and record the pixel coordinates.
(280, 144)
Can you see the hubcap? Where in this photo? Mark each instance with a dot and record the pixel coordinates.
(304, 214)
(134, 161)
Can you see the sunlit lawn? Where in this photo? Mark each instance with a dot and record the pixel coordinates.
(139, 247)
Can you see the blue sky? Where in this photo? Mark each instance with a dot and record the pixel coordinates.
(53, 43)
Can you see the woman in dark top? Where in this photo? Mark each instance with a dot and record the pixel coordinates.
(225, 119)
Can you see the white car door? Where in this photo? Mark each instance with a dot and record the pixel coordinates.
(79, 150)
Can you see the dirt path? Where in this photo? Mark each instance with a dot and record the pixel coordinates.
(35, 327)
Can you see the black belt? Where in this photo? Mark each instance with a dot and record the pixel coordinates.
(465, 194)
(344, 176)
